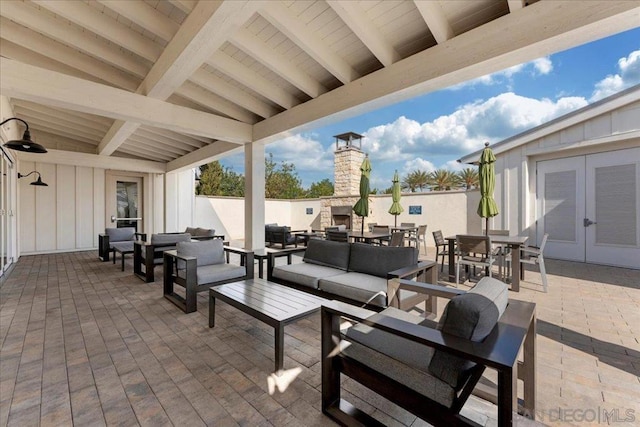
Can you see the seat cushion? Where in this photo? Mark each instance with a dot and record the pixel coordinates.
(403, 360)
(328, 253)
(357, 286)
(120, 234)
(471, 316)
(208, 252)
(169, 239)
(304, 273)
(380, 260)
(219, 272)
(123, 247)
(205, 232)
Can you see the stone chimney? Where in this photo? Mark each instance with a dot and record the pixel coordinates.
(348, 158)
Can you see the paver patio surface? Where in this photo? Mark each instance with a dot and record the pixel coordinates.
(84, 343)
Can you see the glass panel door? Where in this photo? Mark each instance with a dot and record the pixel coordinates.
(124, 196)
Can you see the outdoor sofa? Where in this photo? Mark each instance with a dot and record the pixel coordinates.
(275, 234)
(356, 273)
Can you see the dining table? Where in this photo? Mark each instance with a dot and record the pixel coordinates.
(515, 243)
(368, 236)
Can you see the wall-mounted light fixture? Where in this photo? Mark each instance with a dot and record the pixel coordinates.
(37, 181)
(24, 144)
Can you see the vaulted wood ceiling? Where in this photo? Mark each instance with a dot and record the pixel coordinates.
(182, 82)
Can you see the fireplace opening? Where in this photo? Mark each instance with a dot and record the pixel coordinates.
(341, 215)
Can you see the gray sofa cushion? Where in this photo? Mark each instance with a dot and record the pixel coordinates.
(120, 234)
(399, 358)
(208, 252)
(205, 232)
(470, 316)
(168, 239)
(126, 246)
(305, 274)
(328, 253)
(380, 260)
(356, 286)
(218, 272)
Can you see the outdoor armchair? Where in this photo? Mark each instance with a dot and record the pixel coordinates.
(473, 251)
(200, 233)
(196, 266)
(126, 235)
(430, 368)
(146, 255)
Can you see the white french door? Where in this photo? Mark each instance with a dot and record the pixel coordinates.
(590, 206)
(124, 200)
(6, 213)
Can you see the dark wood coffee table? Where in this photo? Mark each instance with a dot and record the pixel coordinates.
(271, 303)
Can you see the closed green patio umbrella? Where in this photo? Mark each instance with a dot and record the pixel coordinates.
(487, 207)
(361, 207)
(395, 208)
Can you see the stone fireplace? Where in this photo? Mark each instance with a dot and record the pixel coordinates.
(348, 157)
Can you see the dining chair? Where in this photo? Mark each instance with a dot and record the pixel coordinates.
(397, 238)
(407, 224)
(500, 251)
(337, 236)
(475, 251)
(370, 225)
(442, 248)
(533, 255)
(421, 237)
(381, 229)
(410, 235)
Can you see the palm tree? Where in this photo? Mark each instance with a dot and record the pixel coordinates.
(442, 180)
(416, 180)
(469, 178)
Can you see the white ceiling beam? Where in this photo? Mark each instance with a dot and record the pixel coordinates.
(142, 155)
(204, 155)
(92, 121)
(64, 122)
(434, 17)
(45, 46)
(145, 132)
(515, 5)
(211, 101)
(279, 64)
(194, 140)
(199, 36)
(288, 24)
(89, 17)
(355, 17)
(38, 85)
(72, 36)
(169, 150)
(145, 16)
(184, 5)
(68, 133)
(254, 81)
(92, 160)
(232, 93)
(59, 142)
(19, 53)
(538, 30)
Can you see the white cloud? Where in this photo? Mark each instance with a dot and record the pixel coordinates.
(306, 152)
(629, 75)
(540, 66)
(543, 65)
(463, 131)
(419, 164)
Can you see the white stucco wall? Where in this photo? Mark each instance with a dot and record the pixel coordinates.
(450, 211)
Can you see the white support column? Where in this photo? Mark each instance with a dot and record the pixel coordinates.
(254, 196)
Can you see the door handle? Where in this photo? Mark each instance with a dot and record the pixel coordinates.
(113, 218)
(587, 222)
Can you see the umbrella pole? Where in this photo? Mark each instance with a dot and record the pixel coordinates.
(395, 220)
(486, 226)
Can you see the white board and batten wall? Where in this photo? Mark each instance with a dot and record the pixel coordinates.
(588, 169)
(69, 214)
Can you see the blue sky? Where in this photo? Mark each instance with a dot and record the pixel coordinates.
(432, 131)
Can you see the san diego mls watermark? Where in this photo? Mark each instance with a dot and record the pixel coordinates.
(599, 415)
